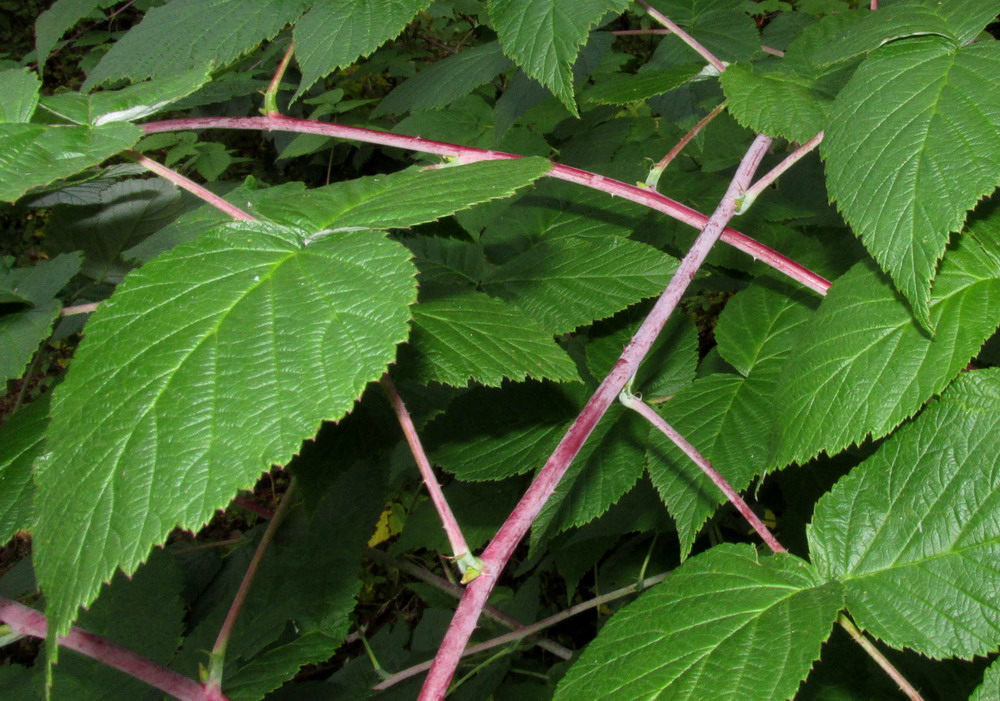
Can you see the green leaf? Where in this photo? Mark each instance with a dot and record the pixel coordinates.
(568, 282)
(990, 688)
(608, 466)
(957, 21)
(23, 329)
(446, 81)
(915, 126)
(20, 90)
(912, 532)
(475, 336)
(192, 34)
(32, 155)
(730, 419)
(727, 624)
(144, 613)
(128, 104)
(720, 25)
(248, 315)
(862, 365)
(413, 196)
(757, 328)
(52, 24)
(624, 89)
(333, 35)
(127, 212)
(189, 226)
(22, 438)
(490, 434)
(770, 98)
(274, 667)
(544, 37)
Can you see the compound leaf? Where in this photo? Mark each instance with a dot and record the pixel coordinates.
(729, 623)
(188, 34)
(332, 35)
(236, 347)
(912, 145)
(544, 37)
(475, 336)
(913, 531)
(862, 364)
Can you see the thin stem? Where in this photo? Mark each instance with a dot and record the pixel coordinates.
(467, 154)
(271, 94)
(645, 411)
(879, 658)
(80, 309)
(27, 621)
(459, 548)
(653, 179)
(520, 634)
(189, 185)
(218, 654)
(776, 172)
(501, 548)
(682, 35)
(425, 575)
(772, 51)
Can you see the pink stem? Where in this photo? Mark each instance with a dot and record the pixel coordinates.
(80, 309)
(459, 548)
(27, 621)
(467, 154)
(517, 524)
(772, 51)
(879, 658)
(218, 654)
(189, 185)
(776, 172)
(644, 410)
(681, 34)
(657, 170)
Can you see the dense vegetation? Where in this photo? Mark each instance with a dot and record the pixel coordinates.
(689, 306)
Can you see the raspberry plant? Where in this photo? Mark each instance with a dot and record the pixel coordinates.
(376, 246)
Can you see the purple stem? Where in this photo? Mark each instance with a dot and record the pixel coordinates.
(28, 621)
(681, 34)
(647, 412)
(501, 548)
(467, 154)
(459, 548)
